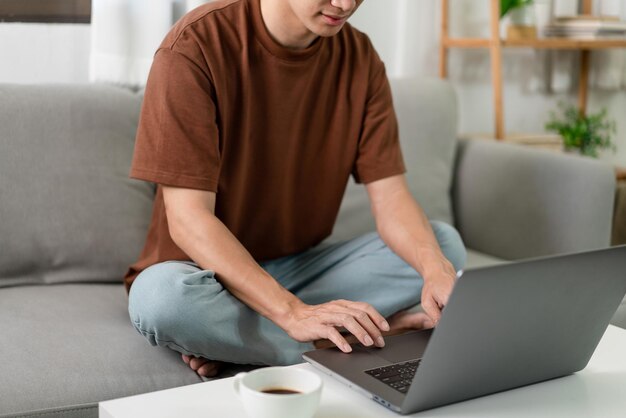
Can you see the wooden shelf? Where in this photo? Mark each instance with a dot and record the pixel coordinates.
(544, 43)
(495, 45)
(466, 43)
(565, 43)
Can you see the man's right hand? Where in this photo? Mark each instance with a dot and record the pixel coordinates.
(307, 323)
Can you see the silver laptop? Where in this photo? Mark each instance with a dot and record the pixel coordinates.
(504, 326)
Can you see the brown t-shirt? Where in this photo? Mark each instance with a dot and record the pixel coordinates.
(275, 132)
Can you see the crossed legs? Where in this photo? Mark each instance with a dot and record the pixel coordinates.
(182, 307)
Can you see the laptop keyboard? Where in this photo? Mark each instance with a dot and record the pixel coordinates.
(398, 376)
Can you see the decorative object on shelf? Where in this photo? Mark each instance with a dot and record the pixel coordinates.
(586, 133)
(522, 20)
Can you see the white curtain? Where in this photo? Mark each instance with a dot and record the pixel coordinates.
(417, 35)
(126, 33)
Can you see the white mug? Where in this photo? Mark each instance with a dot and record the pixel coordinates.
(259, 404)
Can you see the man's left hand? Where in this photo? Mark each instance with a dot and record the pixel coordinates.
(439, 278)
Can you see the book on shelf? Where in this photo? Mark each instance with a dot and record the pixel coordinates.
(582, 17)
(587, 27)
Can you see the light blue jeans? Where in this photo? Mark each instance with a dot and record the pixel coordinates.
(180, 306)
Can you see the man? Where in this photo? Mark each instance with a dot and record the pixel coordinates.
(256, 113)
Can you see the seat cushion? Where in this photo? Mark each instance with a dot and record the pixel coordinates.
(68, 345)
(68, 211)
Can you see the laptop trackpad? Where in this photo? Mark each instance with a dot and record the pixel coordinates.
(405, 347)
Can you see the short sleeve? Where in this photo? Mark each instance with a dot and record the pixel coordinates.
(177, 141)
(379, 154)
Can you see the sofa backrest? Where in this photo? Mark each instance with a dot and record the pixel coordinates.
(68, 211)
(427, 117)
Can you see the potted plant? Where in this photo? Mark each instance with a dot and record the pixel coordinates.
(586, 134)
(521, 20)
(508, 5)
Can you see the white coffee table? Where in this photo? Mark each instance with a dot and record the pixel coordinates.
(597, 391)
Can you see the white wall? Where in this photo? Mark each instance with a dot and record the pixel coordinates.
(44, 53)
(405, 32)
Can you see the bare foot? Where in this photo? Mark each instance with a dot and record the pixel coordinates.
(399, 323)
(202, 366)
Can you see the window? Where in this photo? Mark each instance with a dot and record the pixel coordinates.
(45, 11)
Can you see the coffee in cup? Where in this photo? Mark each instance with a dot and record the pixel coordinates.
(279, 392)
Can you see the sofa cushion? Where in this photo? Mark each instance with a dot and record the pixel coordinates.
(68, 345)
(516, 202)
(427, 117)
(68, 211)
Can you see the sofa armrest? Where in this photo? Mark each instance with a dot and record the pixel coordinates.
(514, 202)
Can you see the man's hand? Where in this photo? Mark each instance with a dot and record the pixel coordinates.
(306, 323)
(404, 227)
(439, 279)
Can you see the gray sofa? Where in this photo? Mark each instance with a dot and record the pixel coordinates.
(71, 221)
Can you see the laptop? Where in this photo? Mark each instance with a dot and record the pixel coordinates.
(504, 327)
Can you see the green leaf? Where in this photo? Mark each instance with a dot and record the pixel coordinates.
(589, 133)
(508, 5)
